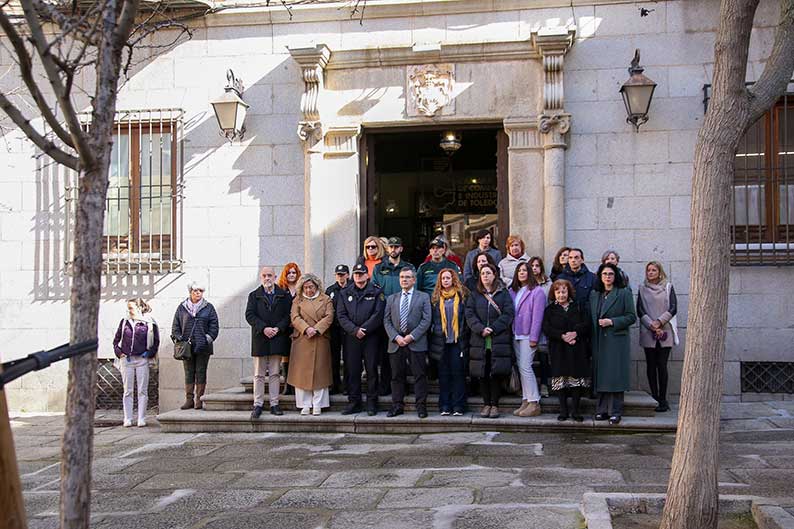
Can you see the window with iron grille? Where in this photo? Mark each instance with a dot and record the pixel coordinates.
(762, 231)
(142, 230)
(767, 377)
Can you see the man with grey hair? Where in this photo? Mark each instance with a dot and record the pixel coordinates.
(268, 314)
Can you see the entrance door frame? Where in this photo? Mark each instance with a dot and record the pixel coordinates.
(368, 184)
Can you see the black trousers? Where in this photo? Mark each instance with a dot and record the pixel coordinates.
(656, 368)
(360, 353)
(491, 385)
(196, 368)
(384, 379)
(337, 336)
(399, 361)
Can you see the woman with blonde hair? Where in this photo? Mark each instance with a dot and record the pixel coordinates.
(515, 254)
(656, 308)
(372, 253)
(135, 344)
(449, 341)
(312, 315)
(288, 280)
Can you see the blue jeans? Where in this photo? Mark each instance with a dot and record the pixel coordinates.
(452, 379)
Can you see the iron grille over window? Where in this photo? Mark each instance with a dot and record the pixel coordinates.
(110, 388)
(142, 230)
(767, 377)
(762, 231)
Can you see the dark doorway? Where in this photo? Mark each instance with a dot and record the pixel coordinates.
(415, 191)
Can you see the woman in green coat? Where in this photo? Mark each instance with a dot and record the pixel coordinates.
(612, 313)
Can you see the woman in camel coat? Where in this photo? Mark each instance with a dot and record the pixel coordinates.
(310, 359)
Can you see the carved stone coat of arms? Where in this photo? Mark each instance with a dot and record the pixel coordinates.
(430, 89)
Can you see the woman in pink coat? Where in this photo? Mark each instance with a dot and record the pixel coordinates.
(530, 303)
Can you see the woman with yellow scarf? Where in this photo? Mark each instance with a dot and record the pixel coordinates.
(449, 342)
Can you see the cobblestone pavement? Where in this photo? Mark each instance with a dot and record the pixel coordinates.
(146, 479)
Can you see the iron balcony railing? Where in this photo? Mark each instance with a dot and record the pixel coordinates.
(143, 213)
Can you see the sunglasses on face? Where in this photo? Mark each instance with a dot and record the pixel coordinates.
(372, 247)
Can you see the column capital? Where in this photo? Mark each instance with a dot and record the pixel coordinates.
(554, 128)
(313, 61)
(522, 133)
(341, 140)
(552, 43)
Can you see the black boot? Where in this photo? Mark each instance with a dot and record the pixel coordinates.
(563, 395)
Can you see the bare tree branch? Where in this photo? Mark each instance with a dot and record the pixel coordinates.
(46, 146)
(779, 67)
(51, 69)
(26, 72)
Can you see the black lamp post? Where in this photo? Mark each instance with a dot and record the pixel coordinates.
(637, 93)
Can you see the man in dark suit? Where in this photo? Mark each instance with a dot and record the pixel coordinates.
(268, 314)
(407, 319)
(360, 313)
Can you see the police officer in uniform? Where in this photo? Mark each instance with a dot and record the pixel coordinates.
(360, 313)
(342, 273)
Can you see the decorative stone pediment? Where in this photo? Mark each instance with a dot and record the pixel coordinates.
(430, 89)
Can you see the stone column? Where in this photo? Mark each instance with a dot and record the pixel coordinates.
(525, 181)
(332, 201)
(553, 130)
(552, 43)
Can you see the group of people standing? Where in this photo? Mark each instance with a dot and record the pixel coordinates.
(487, 319)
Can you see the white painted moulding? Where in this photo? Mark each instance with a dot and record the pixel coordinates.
(598, 508)
(235, 12)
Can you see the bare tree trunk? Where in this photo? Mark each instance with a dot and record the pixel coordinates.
(692, 493)
(78, 442)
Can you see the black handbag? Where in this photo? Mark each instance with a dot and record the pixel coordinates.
(183, 349)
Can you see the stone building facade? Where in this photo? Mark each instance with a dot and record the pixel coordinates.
(547, 73)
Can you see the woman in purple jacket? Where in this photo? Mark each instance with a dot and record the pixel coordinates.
(136, 343)
(530, 303)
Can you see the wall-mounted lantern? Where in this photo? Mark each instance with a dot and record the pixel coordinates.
(637, 93)
(230, 109)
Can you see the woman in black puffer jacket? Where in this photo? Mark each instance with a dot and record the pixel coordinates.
(489, 315)
(195, 320)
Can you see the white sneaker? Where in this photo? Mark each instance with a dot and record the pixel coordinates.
(306, 411)
(127, 423)
(317, 411)
(141, 423)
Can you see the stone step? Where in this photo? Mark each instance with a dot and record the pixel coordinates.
(636, 403)
(432, 385)
(193, 421)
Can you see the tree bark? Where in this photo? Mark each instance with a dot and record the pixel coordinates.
(78, 436)
(692, 493)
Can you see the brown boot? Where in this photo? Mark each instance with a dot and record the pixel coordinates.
(199, 394)
(532, 410)
(188, 397)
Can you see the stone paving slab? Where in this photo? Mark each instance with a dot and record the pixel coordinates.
(373, 478)
(426, 497)
(281, 478)
(328, 499)
(184, 480)
(269, 520)
(405, 519)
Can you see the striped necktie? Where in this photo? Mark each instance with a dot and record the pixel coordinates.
(404, 313)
